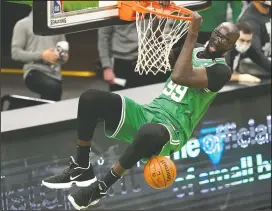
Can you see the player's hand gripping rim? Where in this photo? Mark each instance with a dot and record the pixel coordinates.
(196, 23)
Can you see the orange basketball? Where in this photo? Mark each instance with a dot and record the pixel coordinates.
(160, 172)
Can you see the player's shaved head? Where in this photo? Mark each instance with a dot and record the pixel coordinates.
(229, 30)
(223, 39)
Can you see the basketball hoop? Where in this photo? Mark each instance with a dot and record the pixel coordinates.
(159, 28)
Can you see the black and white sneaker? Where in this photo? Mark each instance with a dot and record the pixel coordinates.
(88, 196)
(74, 174)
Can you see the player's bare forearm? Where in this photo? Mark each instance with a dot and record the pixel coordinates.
(184, 73)
(183, 66)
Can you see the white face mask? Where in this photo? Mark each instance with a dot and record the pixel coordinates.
(242, 48)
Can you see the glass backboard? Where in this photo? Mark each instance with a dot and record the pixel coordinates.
(55, 17)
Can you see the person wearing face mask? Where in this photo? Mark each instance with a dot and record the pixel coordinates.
(258, 16)
(241, 47)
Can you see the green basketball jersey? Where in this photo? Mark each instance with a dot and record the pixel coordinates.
(177, 101)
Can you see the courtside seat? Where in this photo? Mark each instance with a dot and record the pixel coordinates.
(10, 102)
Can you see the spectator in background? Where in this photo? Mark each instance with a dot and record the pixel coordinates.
(216, 15)
(233, 57)
(42, 64)
(118, 51)
(258, 15)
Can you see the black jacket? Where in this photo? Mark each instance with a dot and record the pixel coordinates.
(261, 45)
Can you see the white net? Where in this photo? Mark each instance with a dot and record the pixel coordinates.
(156, 37)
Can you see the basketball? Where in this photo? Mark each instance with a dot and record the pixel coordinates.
(160, 172)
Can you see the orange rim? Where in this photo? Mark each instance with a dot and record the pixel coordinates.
(141, 6)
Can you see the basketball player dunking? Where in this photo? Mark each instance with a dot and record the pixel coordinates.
(159, 128)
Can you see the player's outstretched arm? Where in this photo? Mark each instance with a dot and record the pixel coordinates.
(184, 73)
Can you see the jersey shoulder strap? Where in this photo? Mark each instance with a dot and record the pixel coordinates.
(200, 62)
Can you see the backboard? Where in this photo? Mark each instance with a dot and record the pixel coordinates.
(63, 17)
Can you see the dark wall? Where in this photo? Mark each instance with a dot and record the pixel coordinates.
(83, 45)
